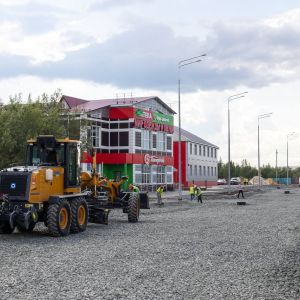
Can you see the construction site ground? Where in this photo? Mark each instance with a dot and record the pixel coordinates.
(182, 250)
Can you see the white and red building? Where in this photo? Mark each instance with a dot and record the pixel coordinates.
(199, 161)
(132, 136)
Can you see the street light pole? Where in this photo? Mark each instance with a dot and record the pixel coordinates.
(258, 152)
(287, 156)
(231, 98)
(181, 64)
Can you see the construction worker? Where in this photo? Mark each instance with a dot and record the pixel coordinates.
(134, 188)
(198, 194)
(191, 191)
(241, 192)
(159, 193)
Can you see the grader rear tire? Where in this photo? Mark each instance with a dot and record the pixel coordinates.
(80, 215)
(24, 230)
(59, 218)
(5, 228)
(133, 208)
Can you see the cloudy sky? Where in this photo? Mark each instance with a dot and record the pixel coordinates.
(95, 49)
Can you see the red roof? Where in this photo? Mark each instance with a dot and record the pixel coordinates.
(85, 105)
(72, 101)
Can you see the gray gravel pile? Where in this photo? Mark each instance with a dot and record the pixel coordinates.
(216, 250)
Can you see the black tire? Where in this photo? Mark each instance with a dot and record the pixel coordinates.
(59, 218)
(80, 215)
(23, 229)
(5, 228)
(133, 208)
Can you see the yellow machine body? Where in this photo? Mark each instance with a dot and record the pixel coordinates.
(41, 188)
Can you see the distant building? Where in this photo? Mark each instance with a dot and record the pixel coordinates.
(132, 136)
(198, 158)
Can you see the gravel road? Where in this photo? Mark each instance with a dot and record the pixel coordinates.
(216, 250)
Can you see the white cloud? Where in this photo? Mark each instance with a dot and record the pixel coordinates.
(96, 54)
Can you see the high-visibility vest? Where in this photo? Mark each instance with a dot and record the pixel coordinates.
(160, 190)
(191, 190)
(198, 191)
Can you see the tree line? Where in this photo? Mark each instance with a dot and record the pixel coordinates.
(245, 170)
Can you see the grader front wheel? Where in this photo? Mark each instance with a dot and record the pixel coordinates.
(59, 218)
(133, 208)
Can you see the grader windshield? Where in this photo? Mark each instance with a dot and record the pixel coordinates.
(46, 156)
(47, 151)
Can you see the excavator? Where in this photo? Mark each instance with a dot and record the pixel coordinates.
(50, 188)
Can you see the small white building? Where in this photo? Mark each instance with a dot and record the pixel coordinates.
(199, 163)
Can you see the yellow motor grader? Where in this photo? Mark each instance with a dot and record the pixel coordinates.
(51, 189)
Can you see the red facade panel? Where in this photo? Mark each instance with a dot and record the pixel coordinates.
(183, 162)
(127, 158)
(122, 113)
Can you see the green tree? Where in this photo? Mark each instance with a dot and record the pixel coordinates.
(21, 120)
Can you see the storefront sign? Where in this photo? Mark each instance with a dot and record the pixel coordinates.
(162, 119)
(152, 159)
(153, 121)
(143, 114)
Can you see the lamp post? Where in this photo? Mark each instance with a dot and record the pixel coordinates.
(231, 98)
(287, 156)
(258, 152)
(182, 64)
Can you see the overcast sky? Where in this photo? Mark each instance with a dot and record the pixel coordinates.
(97, 49)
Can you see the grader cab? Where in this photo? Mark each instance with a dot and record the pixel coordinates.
(51, 189)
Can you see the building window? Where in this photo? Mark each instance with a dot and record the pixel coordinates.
(124, 125)
(212, 171)
(124, 138)
(161, 176)
(154, 145)
(195, 149)
(204, 148)
(200, 171)
(208, 151)
(212, 152)
(138, 139)
(195, 170)
(215, 153)
(191, 148)
(104, 138)
(169, 143)
(169, 172)
(208, 171)
(146, 140)
(123, 151)
(113, 126)
(200, 150)
(191, 170)
(113, 139)
(146, 171)
(161, 141)
(215, 171)
(204, 170)
(154, 174)
(96, 131)
(138, 178)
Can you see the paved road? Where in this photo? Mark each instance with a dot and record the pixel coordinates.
(216, 250)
